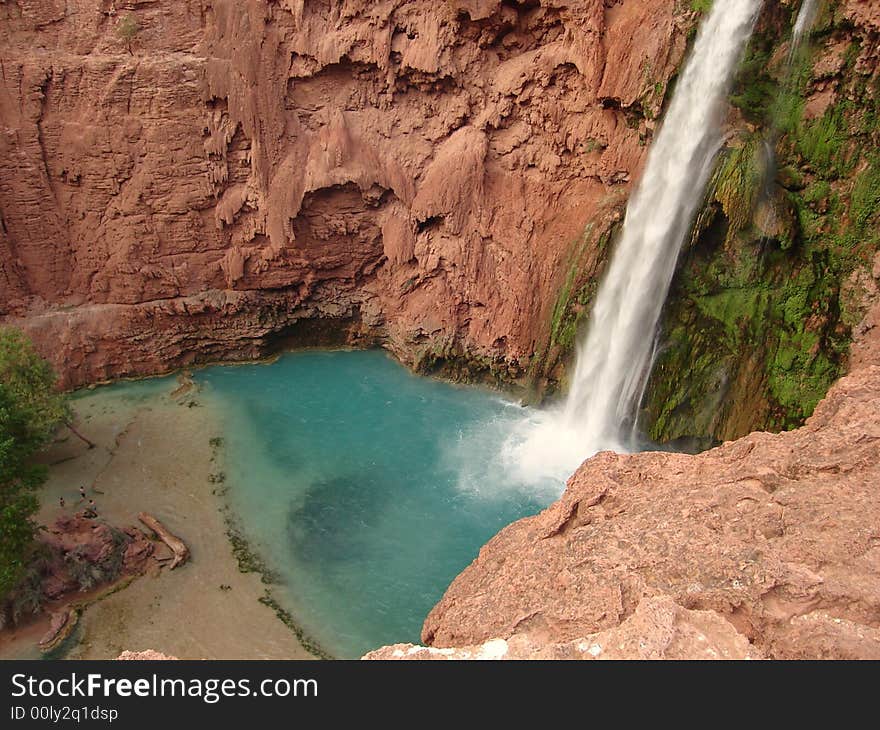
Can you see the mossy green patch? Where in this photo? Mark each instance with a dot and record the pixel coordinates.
(823, 143)
(865, 200)
(738, 181)
(759, 319)
(575, 298)
(571, 309)
(744, 319)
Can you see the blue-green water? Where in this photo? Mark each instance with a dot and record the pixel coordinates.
(367, 488)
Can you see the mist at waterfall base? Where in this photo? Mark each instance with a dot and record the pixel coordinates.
(366, 488)
(613, 360)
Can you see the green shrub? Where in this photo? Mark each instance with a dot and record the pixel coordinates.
(127, 29)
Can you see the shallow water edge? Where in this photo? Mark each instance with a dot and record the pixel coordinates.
(155, 454)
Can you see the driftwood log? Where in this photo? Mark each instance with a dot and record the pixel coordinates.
(61, 627)
(178, 546)
(76, 433)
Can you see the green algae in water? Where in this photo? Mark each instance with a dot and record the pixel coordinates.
(366, 488)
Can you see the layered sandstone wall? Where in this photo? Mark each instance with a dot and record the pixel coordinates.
(414, 171)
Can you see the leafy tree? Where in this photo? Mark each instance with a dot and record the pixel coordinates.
(36, 408)
(17, 506)
(30, 412)
(127, 29)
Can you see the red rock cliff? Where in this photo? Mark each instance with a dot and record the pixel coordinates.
(416, 170)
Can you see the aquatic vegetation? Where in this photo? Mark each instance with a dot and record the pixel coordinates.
(248, 559)
(307, 642)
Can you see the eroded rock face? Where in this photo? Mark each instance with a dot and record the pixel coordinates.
(777, 534)
(415, 170)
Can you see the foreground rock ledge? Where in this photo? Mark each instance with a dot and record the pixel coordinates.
(658, 629)
(777, 536)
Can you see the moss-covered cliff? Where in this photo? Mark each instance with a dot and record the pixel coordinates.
(759, 319)
(586, 260)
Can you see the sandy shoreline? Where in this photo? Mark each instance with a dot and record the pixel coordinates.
(155, 453)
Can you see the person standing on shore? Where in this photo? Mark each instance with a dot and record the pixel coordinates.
(82, 493)
(61, 502)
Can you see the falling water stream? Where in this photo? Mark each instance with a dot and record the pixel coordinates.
(614, 359)
(805, 17)
(803, 23)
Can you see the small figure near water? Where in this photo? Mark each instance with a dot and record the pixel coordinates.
(61, 502)
(92, 510)
(82, 492)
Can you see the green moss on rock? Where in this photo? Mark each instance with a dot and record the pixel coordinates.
(586, 259)
(757, 325)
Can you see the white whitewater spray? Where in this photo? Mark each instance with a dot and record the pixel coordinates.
(614, 360)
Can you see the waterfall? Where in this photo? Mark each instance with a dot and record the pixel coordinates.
(804, 21)
(806, 16)
(613, 361)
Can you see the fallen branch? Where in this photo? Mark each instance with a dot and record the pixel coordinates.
(60, 628)
(178, 546)
(76, 433)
